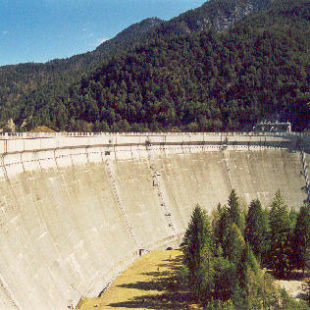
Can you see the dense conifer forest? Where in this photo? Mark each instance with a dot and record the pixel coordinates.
(250, 62)
(232, 258)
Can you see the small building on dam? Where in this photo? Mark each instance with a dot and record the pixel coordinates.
(77, 209)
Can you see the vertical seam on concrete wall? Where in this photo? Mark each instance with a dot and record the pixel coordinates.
(225, 161)
(55, 159)
(8, 293)
(4, 168)
(22, 161)
(119, 204)
(156, 183)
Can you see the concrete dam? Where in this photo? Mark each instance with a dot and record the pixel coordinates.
(76, 210)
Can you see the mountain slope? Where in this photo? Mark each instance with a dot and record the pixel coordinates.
(25, 88)
(19, 83)
(203, 81)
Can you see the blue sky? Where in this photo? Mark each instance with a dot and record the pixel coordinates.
(41, 30)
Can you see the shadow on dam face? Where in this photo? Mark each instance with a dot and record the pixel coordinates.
(77, 210)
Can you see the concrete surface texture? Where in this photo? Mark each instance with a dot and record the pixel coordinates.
(75, 210)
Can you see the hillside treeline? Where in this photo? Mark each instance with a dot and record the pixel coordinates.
(231, 258)
(226, 81)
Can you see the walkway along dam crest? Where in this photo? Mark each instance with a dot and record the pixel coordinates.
(76, 209)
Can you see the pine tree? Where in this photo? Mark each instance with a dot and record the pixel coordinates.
(234, 244)
(280, 238)
(302, 236)
(197, 240)
(256, 233)
(248, 280)
(221, 225)
(234, 209)
(239, 298)
(224, 277)
(198, 255)
(204, 278)
(293, 214)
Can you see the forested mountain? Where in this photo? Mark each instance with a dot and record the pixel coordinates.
(22, 86)
(214, 68)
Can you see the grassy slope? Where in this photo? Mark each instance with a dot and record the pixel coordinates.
(151, 282)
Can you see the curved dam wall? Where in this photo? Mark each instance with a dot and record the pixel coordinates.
(77, 210)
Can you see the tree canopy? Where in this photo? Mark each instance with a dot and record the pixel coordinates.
(194, 79)
(224, 271)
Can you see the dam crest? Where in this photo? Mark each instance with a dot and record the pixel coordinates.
(76, 209)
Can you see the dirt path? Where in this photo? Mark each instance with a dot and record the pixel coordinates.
(149, 283)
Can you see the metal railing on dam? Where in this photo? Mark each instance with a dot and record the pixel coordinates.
(76, 209)
(22, 142)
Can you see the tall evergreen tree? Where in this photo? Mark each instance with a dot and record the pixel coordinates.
(246, 293)
(224, 277)
(204, 284)
(234, 244)
(302, 236)
(293, 214)
(221, 225)
(198, 255)
(256, 233)
(197, 241)
(280, 237)
(234, 209)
